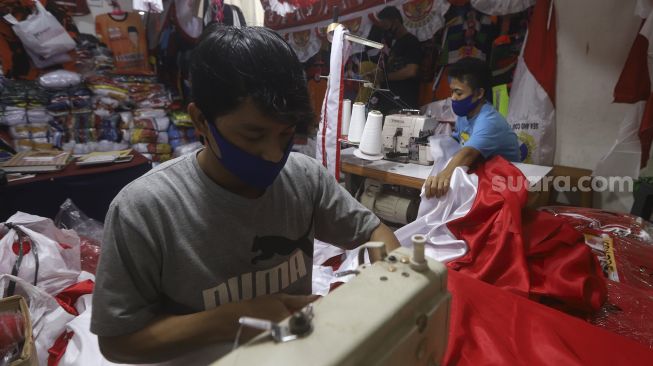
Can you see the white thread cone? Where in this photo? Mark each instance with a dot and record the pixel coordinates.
(346, 117)
(357, 123)
(371, 146)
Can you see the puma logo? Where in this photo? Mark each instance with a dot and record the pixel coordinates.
(267, 246)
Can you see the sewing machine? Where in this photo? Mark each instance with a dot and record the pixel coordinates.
(401, 134)
(393, 312)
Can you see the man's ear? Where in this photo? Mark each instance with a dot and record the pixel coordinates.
(199, 121)
(480, 93)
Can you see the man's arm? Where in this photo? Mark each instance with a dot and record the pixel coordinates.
(438, 185)
(407, 72)
(384, 234)
(172, 336)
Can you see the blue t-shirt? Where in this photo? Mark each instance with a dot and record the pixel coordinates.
(489, 133)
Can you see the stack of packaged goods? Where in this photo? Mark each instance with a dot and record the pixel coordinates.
(182, 134)
(23, 110)
(91, 56)
(98, 129)
(67, 96)
(146, 129)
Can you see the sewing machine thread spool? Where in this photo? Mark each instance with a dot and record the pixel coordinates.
(372, 139)
(418, 261)
(346, 117)
(357, 122)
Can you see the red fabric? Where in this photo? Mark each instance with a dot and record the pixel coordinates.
(68, 297)
(537, 255)
(646, 131)
(58, 349)
(541, 47)
(634, 84)
(489, 326)
(12, 328)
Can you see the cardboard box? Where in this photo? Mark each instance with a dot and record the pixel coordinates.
(28, 355)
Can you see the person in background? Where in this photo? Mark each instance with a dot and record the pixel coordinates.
(480, 129)
(402, 65)
(226, 232)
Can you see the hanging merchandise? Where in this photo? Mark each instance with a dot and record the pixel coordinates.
(501, 7)
(74, 7)
(42, 33)
(424, 17)
(305, 29)
(124, 34)
(191, 26)
(532, 98)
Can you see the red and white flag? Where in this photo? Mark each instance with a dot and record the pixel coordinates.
(531, 112)
(328, 134)
(632, 147)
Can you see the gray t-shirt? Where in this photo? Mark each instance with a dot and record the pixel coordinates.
(176, 242)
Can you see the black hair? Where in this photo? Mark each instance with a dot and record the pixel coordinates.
(230, 64)
(131, 28)
(472, 71)
(390, 13)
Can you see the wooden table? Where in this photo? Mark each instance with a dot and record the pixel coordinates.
(91, 188)
(413, 175)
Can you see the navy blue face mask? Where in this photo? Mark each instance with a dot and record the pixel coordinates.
(462, 107)
(250, 169)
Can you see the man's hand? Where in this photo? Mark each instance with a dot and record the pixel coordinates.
(276, 307)
(273, 307)
(438, 185)
(171, 336)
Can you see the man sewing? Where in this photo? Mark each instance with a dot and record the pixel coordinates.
(209, 237)
(402, 66)
(480, 129)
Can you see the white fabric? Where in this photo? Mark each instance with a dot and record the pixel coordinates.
(501, 7)
(434, 213)
(188, 22)
(643, 8)
(148, 6)
(624, 157)
(58, 253)
(532, 116)
(323, 276)
(431, 220)
(328, 147)
(281, 8)
(252, 11)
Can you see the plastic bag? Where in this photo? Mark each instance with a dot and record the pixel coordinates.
(42, 33)
(48, 318)
(60, 79)
(48, 257)
(89, 230)
(71, 217)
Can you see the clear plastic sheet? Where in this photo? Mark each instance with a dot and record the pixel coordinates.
(90, 232)
(627, 312)
(623, 243)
